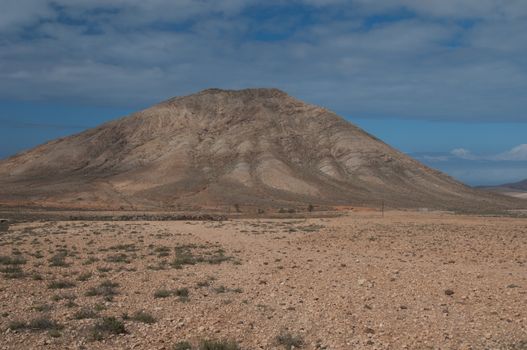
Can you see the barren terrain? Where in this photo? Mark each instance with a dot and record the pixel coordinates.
(406, 281)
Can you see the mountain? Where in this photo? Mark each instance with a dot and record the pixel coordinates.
(220, 148)
(517, 189)
(522, 185)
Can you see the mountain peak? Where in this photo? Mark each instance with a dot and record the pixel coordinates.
(259, 92)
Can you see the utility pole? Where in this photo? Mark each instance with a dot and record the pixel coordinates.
(382, 207)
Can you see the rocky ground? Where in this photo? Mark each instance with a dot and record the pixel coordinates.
(406, 281)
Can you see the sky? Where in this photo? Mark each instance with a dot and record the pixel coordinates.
(442, 80)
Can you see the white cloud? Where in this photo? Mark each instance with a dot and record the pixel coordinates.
(518, 153)
(133, 53)
(480, 169)
(463, 153)
(480, 9)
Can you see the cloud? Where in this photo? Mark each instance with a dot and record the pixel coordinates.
(448, 59)
(518, 153)
(463, 154)
(480, 169)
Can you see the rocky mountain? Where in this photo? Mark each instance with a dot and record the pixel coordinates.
(255, 148)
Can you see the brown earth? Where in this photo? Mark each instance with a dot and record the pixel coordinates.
(409, 280)
(254, 148)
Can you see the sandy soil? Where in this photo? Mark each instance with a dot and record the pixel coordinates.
(405, 281)
(522, 195)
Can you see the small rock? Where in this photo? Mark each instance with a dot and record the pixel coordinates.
(361, 281)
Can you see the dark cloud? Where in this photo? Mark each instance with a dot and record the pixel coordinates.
(439, 59)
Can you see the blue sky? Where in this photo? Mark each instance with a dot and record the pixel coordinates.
(442, 80)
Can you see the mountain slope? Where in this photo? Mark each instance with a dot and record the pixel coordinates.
(522, 185)
(517, 189)
(217, 148)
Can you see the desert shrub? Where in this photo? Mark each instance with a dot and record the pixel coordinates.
(107, 326)
(183, 257)
(218, 345)
(289, 341)
(13, 271)
(220, 289)
(202, 284)
(43, 323)
(99, 307)
(182, 293)
(37, 324)
(162, 251)
(183, 345)
(90, 260)
(162, 293)
(43, 308)
(104, 269)
(217, 257)
(143, 316)
(17, 325)
(64, 296)
(62, 284)
(124, 247)
(84, 276)
(37, 277)
(118, 258)
(70, 304)
(59, 260)
(106, 288)
(85, 313)
(12, 260)
(54, 333)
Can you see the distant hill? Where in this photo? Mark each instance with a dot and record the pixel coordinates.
(219, 148)
(517, 189)
(522, 185)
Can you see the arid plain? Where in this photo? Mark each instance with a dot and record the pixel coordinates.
(408, 280)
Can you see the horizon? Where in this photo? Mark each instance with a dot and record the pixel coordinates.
(442, 81)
